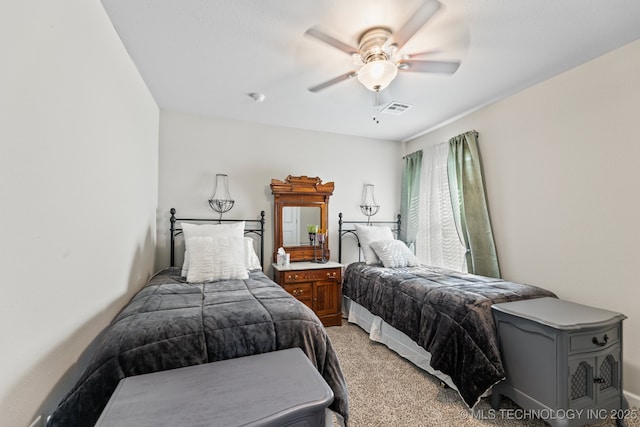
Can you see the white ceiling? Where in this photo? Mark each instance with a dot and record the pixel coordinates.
(206, 56)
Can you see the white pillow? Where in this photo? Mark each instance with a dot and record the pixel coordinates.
(368, 234)
(215, 231)
(394, 253)
(251, 259)
(200, 256)
(228, 258)
(223, 259)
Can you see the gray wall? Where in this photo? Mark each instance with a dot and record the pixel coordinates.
(194, 148)
(78, 173)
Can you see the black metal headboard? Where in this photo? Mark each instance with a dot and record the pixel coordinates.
(342, 231)
(252, 226)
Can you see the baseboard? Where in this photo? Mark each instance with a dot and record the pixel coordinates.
(633, 399)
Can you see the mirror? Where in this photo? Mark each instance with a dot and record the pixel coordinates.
(299, 202)
(295, 220)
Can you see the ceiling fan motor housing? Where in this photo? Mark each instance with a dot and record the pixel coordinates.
(375, 52)
(373, 45)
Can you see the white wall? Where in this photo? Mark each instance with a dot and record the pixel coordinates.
(79, 166)
(194, 148)
(561, 168)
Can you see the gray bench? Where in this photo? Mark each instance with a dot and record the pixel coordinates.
(280, 388)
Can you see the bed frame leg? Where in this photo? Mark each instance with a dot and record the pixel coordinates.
(496, 400)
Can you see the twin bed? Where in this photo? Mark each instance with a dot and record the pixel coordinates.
(171, 323)
(439, 319)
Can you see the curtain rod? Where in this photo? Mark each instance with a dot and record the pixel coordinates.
(417, 151)
(475, 132)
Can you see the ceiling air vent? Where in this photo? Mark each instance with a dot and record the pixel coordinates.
(396, 108)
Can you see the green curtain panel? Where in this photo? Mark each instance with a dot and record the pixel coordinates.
(469, 203)
(410, 197)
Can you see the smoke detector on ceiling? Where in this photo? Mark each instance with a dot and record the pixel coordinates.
(395, 108)
(257, 97)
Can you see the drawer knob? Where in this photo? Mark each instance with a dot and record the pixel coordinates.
(601, 344)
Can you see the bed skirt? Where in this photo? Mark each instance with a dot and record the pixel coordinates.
(380, 331)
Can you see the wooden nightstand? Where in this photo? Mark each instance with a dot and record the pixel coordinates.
(319, 286)
(562, 359)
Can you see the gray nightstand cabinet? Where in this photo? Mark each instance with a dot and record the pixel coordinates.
(562, 359)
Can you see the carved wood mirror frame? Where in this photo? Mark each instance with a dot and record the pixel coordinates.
(300, 191)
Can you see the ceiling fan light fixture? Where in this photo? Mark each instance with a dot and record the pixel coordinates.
(377, 75)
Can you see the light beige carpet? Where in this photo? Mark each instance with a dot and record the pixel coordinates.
(386, 390)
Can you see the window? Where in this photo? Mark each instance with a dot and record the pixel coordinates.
(437, 241)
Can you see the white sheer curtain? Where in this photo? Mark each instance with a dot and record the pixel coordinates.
(437, 241)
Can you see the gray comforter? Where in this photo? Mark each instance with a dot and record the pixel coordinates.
(171, 324)
(445, 312)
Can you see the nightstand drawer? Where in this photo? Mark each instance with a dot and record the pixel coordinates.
(594, 340)
(311, 275)
(301, 291)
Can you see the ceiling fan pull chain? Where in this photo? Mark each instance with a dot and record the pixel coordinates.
(376, 109)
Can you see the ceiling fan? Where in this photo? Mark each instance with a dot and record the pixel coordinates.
(379, 55)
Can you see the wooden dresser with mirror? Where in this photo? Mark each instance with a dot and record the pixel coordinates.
(301, 205)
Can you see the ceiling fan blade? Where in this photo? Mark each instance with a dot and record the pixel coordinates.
(333, 81)
(419, 18)
(440, 67)
(326, 38)
(423, 54)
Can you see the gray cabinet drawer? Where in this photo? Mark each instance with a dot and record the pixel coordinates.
(594, 340)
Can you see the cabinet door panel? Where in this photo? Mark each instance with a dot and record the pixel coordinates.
(326, 297)
(581, 390)
(607, 382)
(595, 378)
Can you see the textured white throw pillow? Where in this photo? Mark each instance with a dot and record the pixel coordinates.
(394, 253)
(368, 234)
(200, 259)
(227, 260)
